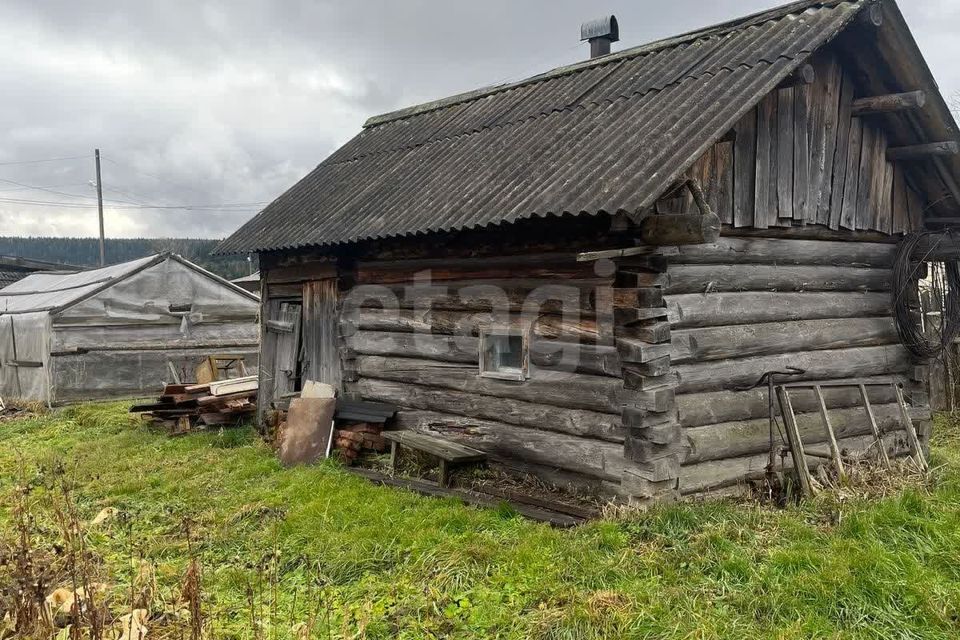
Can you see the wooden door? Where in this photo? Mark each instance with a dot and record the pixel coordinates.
(321, 355)
(279, 367)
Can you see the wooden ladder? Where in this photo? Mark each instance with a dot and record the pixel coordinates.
(800, 453)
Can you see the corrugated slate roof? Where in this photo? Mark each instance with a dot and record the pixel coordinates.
(8, 277)
(604, 136)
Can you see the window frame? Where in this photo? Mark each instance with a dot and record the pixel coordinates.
(513, 375)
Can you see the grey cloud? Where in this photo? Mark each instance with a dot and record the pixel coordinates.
(232, 102)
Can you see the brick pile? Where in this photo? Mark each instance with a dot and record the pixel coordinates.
(352, 441)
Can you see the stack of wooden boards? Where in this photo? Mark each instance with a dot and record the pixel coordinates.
(186, 406)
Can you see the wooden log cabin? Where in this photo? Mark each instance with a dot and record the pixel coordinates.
(583, 273)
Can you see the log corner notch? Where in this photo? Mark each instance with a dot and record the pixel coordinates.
(654, 445)
(686, 228)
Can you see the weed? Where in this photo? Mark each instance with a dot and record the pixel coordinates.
(276, 553)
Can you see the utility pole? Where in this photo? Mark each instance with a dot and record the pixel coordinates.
(103, 257)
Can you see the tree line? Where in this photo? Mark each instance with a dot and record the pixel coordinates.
(85, 252)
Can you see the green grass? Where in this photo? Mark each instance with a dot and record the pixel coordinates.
(396, 565)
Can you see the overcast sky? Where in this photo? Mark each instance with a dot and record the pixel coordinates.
(229, 103)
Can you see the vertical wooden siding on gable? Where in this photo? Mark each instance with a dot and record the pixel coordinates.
(800, 157)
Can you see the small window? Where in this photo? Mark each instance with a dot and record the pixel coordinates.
(503, 355)
(180, 308)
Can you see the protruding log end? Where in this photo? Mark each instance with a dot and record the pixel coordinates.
(889, 103)
(935, 149)
(871, 16)
(680, 229)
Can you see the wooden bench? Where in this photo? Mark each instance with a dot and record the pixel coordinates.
(450, 454)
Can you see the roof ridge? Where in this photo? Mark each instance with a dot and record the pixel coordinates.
(554, 111)
(719, 29)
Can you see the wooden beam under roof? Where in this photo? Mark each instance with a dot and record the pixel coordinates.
(933, 149)
(889, 103)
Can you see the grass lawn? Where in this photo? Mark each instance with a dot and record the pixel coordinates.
(390, 564)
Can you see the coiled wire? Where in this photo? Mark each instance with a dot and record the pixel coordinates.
(927, 335)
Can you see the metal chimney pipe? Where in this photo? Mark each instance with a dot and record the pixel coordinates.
(600, 33)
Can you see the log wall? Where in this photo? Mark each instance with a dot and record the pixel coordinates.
(824, 307)
(411, 337)
(636, 367)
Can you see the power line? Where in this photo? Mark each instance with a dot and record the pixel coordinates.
(49, 186)
(132, 195)
(129, 167)
(133, 205)
(224, 208)
(8, 164)
(236, 207)
(59, 193)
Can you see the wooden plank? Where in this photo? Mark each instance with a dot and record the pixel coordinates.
(724, 309)
(831, 434)
(744, 162)
(878, 172)
(795, 442)
(577, 511)
(865, 212)
(841, 384)
(767, 210)
(532, 512)
(842, 150)
(710, 179)
(826, 131)
(918, 210)
(802, 156)
(686, 279)
(916, 448)
(443, 449)
(226, 387)
(874, 427)
(885, 209)
(309, 431)
(279, 326)
(901, 206)
(269, 309)
(287, 351)
(848, 213)
(724, 171)
(785, 155)
(321, 331)
(207, 401)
